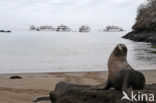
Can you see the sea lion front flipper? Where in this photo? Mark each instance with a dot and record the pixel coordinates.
(125, 84)
(108, 85)
(42, 99)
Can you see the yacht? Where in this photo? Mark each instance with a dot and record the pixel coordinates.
(84, 28)
(32, 27)
(37, 29)
(42, 28)
(113, 29)
(63, 28)
(46, 28)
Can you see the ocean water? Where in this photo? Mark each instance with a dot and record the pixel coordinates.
(47, 51)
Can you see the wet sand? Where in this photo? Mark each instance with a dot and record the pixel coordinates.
(35, 85)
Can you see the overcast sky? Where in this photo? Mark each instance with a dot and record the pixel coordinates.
(15, 14)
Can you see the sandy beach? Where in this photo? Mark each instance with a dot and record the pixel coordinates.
(33, 85)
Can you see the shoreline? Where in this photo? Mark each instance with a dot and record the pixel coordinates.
(142, 36)
(70, 72)
(34, 85)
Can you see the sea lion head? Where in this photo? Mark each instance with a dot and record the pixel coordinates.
(120, 50)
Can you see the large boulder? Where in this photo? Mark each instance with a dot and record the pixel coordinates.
(144, 36)
(75, 93)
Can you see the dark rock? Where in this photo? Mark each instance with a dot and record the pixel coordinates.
(1, 30)
(74, 93)
(7, 31)
(143, 36)
(15, 77)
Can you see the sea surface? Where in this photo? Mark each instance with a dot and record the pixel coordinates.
(48, 51)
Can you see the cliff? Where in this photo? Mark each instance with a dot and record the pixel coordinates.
(144, 30)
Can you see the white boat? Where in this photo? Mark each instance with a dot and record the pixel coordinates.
(63, 28)
(84, 28)
(37, 29)
(47, 28)
(113, 29)
(32, 27)
(42, 28)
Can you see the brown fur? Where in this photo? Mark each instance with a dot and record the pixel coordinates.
(116, 62)
(121, 74)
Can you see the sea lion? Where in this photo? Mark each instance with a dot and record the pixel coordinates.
(121, 74)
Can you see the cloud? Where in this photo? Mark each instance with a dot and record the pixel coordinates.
(120, 1)
(99, 12)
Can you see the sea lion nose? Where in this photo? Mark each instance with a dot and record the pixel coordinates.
(120, 47)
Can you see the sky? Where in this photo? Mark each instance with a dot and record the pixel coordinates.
(20, 14)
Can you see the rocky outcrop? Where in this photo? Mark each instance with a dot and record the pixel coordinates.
(6, 31)
(74, 93)
(144, 29)
(142, 36)
(15, 77)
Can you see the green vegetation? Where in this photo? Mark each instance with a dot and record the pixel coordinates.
(144, 30)
(146, 17)
(154, 52)
(153, 46)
